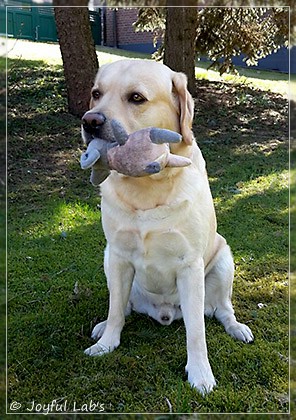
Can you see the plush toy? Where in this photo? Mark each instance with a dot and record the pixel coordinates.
(142, 153)
(96, 158)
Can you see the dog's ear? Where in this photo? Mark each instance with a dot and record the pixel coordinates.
(186, 106)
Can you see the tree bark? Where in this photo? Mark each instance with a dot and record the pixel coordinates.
(180, 36)
(78, 53)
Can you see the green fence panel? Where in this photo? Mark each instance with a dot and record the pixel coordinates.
(96, 27)
(19, 22)
(45, 27)
(38, 23)
(23, 23)
(10, 23)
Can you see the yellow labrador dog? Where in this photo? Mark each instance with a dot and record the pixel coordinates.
(164, 256)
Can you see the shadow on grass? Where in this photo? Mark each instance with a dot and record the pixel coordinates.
(239, 114)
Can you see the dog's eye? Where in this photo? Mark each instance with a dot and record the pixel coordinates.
(96, 94)
(137, 98)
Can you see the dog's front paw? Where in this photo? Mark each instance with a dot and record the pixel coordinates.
(201, 378)
(96, 350)
(101, 347)
(241, 332)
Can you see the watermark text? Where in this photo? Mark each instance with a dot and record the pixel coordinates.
(57, 406)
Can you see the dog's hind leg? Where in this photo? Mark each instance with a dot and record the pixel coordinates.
(218, 291)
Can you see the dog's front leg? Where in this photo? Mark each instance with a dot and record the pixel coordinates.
(120, 277)
(190, 283)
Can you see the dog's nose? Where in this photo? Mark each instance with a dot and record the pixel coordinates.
(93, 120)
(165, 318)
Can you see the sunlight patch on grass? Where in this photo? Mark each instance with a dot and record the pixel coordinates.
(50, 53)
(72, 216)
(108, 55)
(59, 222)
(258, 186)
(272, 182)
(26, 50)
(268, 81)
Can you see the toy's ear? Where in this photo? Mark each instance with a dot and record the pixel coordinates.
(186, 105)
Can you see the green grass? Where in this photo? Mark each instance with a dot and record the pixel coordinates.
(50, 53)
(261, 79)
(56, 284)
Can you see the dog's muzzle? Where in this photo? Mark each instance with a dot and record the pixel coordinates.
(92, 122)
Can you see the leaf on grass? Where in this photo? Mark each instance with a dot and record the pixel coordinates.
(76, 289)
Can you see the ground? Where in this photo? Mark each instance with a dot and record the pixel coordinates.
(57, 289)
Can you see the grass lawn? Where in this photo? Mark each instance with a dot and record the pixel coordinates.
(50, 53)
(56, 284)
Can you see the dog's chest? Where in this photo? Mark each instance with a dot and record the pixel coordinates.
(150, 246)
(156, 256)
(158, 242)
(153, 240)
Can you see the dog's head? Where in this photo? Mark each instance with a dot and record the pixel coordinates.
(139, 94)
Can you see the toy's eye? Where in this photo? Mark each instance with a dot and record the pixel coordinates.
(137, 98)
(96, 94)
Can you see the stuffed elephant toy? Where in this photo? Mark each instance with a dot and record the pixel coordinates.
(142, 153)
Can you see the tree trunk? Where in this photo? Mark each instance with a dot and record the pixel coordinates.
(180, 36)
(78, 53)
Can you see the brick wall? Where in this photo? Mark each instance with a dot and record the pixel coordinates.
(119, 24)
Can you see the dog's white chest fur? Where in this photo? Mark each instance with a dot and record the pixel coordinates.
(155, 242)
(156, 257)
